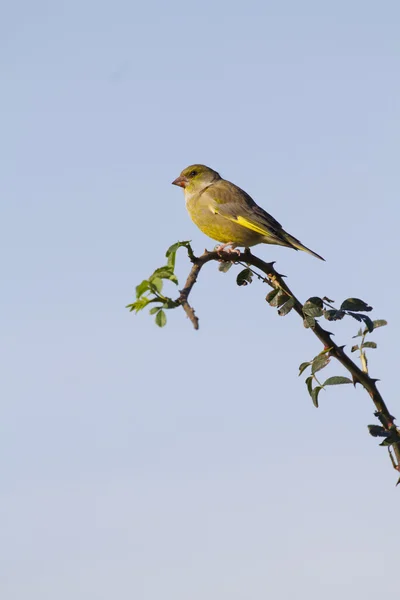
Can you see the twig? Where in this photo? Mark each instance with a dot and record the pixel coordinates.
(276, 281)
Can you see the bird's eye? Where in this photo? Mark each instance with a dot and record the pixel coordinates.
(192, 173)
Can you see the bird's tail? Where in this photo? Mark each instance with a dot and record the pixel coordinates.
(299, 246)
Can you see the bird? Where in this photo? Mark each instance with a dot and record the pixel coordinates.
(227, 214)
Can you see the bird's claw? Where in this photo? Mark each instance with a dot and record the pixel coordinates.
(229, 248)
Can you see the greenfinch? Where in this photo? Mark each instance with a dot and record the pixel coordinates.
(227, 214)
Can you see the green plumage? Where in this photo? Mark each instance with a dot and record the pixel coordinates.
(228, 214)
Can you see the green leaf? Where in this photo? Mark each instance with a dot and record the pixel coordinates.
(309, 381)
(377, 431)
(225, 266)
(172, 250)
(369, 323)
(313, 307)
(140, 304)
(355, 316)
(171, 255)
(164, 273)
(333, 315)
(369, 345)
(393, 437)
(286, 308)
(142, 288)
(355, 304)
(314, 395)
(161, 318)
(359, 334)
(320, 362)
(354, 348)
(279, 299)
(245, 277)
(338, 380)
(309, 322)
(387, 442)
(156, 285)
(154, 310)
(269, 297)
(303, 367)
(379, 323)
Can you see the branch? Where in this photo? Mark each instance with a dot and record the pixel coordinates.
(275, 280)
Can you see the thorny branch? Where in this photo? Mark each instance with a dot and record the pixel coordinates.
(275, 280)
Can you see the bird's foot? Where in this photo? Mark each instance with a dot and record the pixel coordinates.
(229, 248)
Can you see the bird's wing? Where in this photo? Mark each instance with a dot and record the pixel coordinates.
(233, 203)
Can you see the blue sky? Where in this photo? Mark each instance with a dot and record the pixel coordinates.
(146, 463)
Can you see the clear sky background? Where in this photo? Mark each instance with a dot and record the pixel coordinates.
(140, 463)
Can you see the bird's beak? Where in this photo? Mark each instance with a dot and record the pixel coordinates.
(182, 181)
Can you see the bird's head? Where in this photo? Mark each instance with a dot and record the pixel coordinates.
(196, 177)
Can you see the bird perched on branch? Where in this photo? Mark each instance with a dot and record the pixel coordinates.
(227, 214)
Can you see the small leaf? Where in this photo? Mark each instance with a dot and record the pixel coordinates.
(334, 315)
(393, 437)
(164, 273)
(369, 345)
(225, 266)
(286, 308)
(279, 299)
(354, 348)
(142, 288)
(359, 334)
(140, 304)
(171, 255)
(355, 316)
(309, 381)
(269, 297)
(309, 322)
(388, 442)
(313, 307)
(245, 277)
(319, 363)
(314, 395)
(161, 318)
(369, 323)
(379, 323)
(355, 304)
(303, 367)
(155, 284)
(172, 249)
(377, 431)
(171, 252)
(155, 309)
(338, 380)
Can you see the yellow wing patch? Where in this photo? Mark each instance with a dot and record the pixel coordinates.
(249, 225)
(252, 226)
